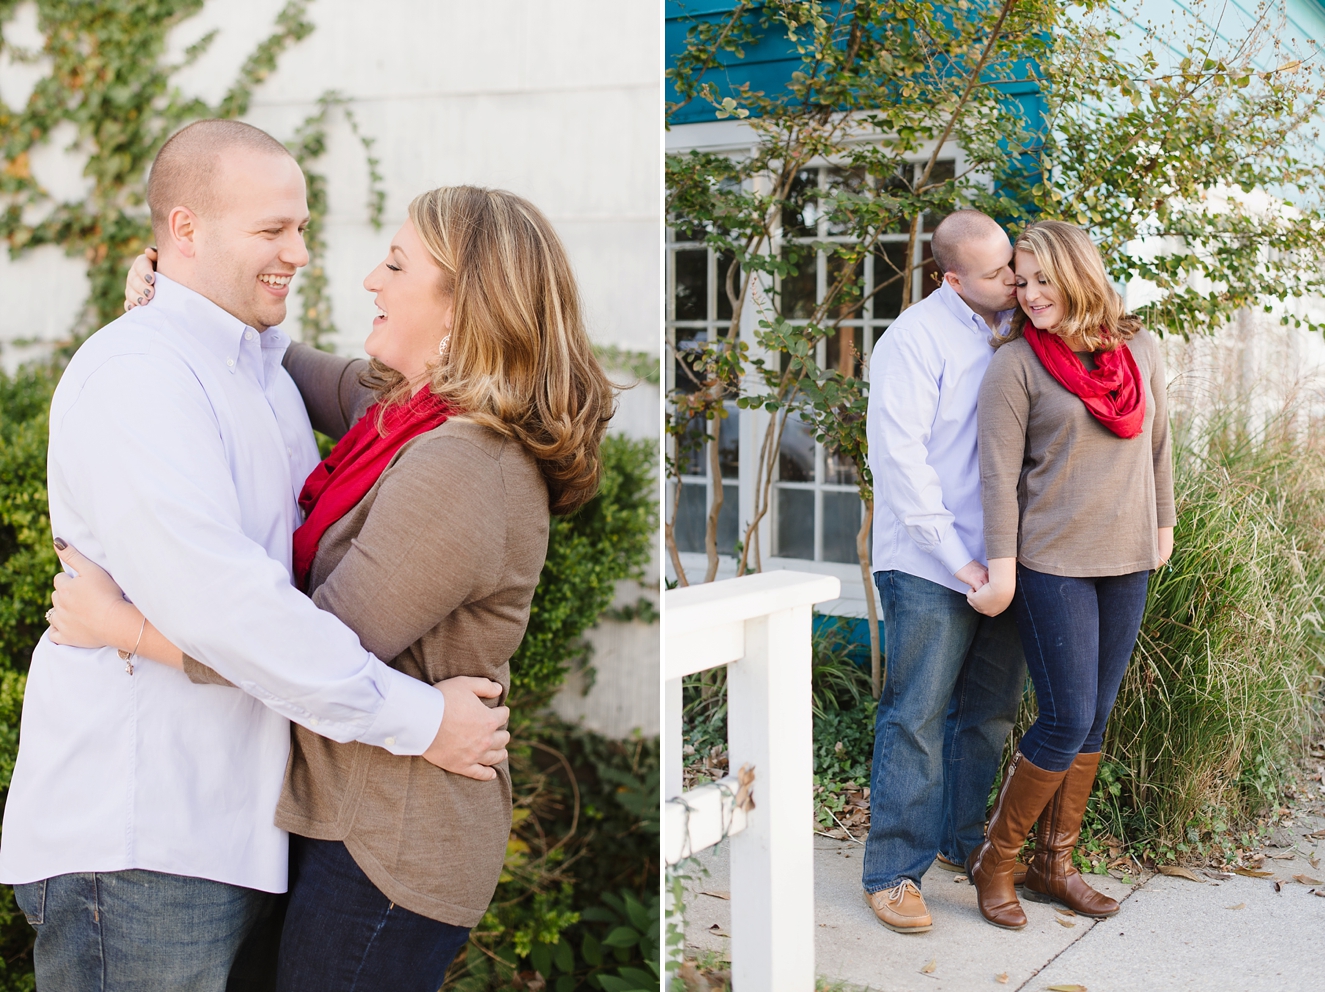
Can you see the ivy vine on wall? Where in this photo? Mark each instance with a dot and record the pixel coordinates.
(107, 77)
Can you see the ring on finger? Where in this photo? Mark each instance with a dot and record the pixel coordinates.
(49, 615)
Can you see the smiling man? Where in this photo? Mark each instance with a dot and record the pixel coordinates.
(139, 827)
(955, 677)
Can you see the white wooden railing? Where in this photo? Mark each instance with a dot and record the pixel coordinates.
(758, 626)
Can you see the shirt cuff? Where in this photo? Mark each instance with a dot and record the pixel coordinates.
(409, 717)
(952, 552)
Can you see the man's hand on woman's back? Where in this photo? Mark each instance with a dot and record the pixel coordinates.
(472, 737)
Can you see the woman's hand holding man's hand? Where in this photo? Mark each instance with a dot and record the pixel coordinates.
(995, 596)
(142, 274)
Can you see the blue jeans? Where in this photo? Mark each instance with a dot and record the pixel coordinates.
(343, 935)
(954, 683)
(1079, 635)
(136, 931)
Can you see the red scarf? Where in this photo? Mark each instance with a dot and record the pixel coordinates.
(1112, 391)
(346, 475)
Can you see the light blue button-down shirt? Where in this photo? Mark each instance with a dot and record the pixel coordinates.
(925, 378)
(178, 447)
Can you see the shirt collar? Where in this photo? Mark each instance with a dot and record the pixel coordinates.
(960, 309)
(219, 331)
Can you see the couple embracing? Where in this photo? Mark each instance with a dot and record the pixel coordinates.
(265, 671)
(1019, 441)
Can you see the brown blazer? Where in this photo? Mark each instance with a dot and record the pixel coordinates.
(435, 569)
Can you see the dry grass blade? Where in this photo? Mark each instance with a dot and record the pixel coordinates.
(717, 893)
(1064, 923)
(1241, 905)
(1067, 988)
(1252, 873)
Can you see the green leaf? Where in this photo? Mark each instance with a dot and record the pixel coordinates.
(591, 950)
(564, 956)
(622, 937)
(540, 956)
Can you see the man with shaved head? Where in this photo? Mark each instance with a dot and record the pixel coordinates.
(955, 677)
(138, 830)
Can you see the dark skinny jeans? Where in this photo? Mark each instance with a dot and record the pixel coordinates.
(1078, 635)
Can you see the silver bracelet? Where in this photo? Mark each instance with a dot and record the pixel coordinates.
(128, 656)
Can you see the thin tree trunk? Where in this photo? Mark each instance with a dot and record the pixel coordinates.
(863, 553)
(669, 529)
(711, 524)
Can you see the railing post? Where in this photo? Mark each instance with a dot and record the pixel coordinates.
(673, 761)
(772, 861)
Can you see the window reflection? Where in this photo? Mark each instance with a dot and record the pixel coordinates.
(800, 214)
(794, 532)
(799, 288)
(839, 470)
(841, 524)
(692, 285)
(796, 457)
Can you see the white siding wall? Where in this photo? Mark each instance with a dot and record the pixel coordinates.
(559, 102)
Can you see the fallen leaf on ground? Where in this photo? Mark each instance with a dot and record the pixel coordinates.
(1306, 879)
(1219, 875)
(960, 878)
(1249, 873)
(1277, 886)
(1063, 923)
(1316, 834)
(717, 931)
(929, 968)
(1067, 988)
(1180, 872)
(1001, 978)
(717, 894)
(1289, 856)
(1318, 892)
(1065, 912)
(1241, 905)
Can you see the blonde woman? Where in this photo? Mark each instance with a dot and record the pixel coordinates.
(1077, 484)
(425, 531)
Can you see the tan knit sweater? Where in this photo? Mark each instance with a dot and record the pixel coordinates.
(435, 569)
(1061, 492)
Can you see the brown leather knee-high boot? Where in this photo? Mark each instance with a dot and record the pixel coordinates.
(1051, 876)
(1026, 790)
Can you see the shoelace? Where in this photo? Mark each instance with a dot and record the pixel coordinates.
(898, 892)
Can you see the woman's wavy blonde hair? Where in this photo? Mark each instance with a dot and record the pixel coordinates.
(519, 359)
(1072, 264)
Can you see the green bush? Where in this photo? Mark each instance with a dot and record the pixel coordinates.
(614, 838)
(609, 539)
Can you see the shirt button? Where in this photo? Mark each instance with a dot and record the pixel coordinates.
(248, 335)
(312, 721)
(390, 741)
(230, 362)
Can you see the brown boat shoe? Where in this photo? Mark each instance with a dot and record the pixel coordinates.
(901, 908)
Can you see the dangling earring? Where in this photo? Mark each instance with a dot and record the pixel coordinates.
(442, 345)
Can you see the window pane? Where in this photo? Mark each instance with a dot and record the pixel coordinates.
(796, 456)
(690, 518)
(898, 185)
(846, 304)
(686, 340)
(798, 290)
(794, 534)
(728, 519)
(849, 183)
(889, 262)
(800, 210)
(724, 302)
(729, 443)
(844, 350)
(841, 523)
(692, 285)
(839, 470)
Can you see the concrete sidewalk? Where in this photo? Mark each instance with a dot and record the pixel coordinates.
(1230, 935)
